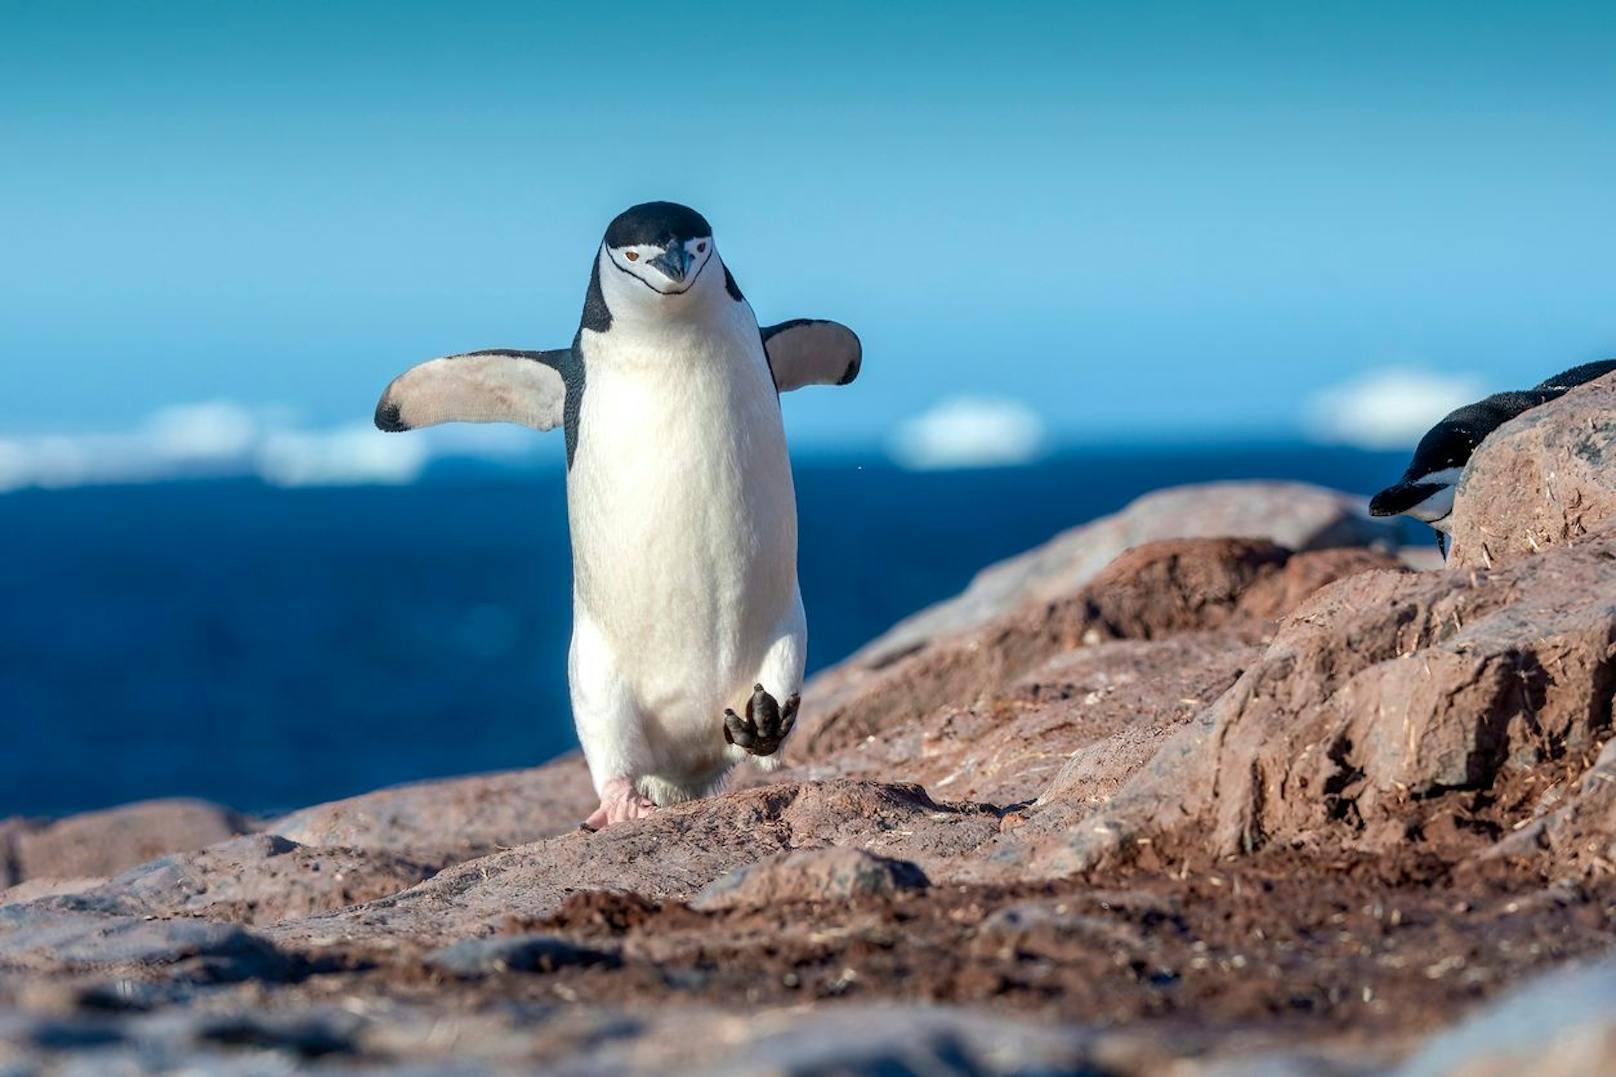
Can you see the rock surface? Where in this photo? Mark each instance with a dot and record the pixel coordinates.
(1545, 478)
(1218, 806)
(106, 842)
(1432, 709)
(258, 879)
(446, 822)
(1293, 515)
(809, 875)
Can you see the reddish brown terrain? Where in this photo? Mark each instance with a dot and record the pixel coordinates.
(1216, 784)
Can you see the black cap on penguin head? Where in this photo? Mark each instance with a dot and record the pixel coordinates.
(656, 224)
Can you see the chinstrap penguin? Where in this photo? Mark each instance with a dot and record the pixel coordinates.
(1426, 489)
(688, 635)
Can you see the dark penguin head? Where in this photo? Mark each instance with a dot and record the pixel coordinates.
(1425, 491)
(657, 261)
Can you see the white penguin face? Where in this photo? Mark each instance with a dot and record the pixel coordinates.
(670, 268)
(1427, 497)
(1437, 505)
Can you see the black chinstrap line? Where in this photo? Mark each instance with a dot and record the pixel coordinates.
(648, 284)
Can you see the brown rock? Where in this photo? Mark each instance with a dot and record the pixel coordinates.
(1545, 478)
(1148, 593)
(1382, 707)
(1577, 832)
(672, 854)
(41, 938)
(1293, 515)
(450, 821)
(1006, 748)
(257, 879)
(34, 889)
(809, 875)
(106, 842)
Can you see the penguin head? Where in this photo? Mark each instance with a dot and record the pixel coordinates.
(1426, 489)
(656, 257)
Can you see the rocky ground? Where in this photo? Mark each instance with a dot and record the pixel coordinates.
(1217, 784)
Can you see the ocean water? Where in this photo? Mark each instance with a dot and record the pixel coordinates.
(271, 648)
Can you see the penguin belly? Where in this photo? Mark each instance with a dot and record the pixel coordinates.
(684, 539)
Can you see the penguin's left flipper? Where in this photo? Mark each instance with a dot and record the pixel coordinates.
(500, 385)
(766, 725)
(809, 351)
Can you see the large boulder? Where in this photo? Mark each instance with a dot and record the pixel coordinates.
(1295, 516)
(102, 843)
(1435, 708)
(1545, 478)
(1152, 592)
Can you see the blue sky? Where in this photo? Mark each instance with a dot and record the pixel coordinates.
(1138, 219)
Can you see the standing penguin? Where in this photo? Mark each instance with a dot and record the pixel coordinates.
(688, 637)
(1426, 489)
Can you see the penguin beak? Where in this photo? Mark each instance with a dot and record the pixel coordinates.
(1396, 500)
(1403, 497)
(673, 262)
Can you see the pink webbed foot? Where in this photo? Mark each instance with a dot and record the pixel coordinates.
(619, 802)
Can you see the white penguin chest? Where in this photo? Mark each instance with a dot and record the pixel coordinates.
(680, 498)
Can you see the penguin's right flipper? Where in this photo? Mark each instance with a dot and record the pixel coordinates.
(500, 385)
(811, 351)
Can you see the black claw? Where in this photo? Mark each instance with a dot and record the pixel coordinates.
(738, 730)
(766, 723)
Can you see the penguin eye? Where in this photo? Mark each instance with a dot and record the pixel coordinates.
(701, 248)
(633, 256)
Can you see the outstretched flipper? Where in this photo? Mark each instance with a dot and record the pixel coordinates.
(500, 385)
(766, 725)
(809, 351)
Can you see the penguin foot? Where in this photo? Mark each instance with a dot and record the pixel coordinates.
(620, 801)
(766, 723)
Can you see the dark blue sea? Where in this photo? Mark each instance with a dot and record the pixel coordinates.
(271, 648)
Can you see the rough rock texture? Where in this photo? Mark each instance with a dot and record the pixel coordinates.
(1293, 515)
(809, 875)
(1150, 592)
(1392, 708)
(107, 842)
(673, 854)
(1220, 807)
(258, 879)
(1545, 478)
(445, 822)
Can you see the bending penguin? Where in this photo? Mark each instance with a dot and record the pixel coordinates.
(1426, 489)
(688, 634)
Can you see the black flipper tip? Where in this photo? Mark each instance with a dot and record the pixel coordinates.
(388, 417)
